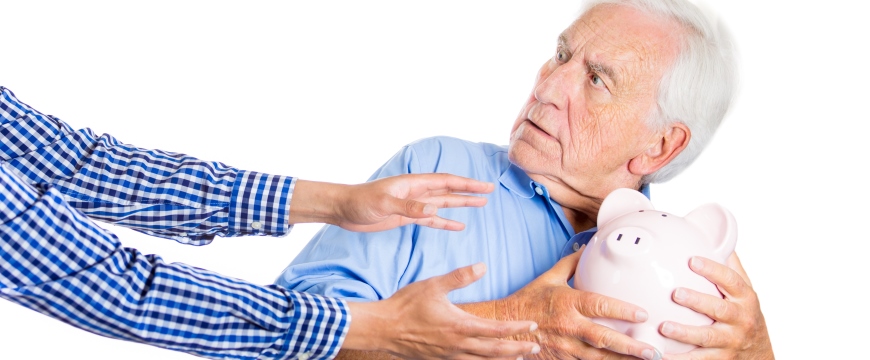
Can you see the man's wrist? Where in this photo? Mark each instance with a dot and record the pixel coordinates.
(493, 309)
(367, 331)
(316, 202)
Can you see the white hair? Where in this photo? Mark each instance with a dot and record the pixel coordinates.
(699, 87)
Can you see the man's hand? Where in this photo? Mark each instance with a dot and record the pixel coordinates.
(386, 203)
(738, 330)
(419, 322)
(563, 316)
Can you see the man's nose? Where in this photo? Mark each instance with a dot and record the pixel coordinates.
(556, 87)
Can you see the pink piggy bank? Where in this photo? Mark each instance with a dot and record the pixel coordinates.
(640, 255)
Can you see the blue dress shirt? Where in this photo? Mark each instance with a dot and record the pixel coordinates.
(56, 261)
(519, 234)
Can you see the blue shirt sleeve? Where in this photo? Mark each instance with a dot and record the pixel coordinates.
(159, 193)
(55, 261)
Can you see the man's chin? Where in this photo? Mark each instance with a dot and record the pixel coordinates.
(527, 157)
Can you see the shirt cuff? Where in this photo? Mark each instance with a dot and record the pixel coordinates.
(260, 204)
(318, 327)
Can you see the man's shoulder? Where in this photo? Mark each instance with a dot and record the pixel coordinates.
(457, 156)
(450, 146)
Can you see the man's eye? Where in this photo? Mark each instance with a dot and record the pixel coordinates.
(561, 56)
(596, 80)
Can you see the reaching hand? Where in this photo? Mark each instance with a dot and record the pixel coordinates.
(738, 330)
(563, 315)
(419, 322)
(386, 203)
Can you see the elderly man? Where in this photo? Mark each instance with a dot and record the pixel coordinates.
(632, 95)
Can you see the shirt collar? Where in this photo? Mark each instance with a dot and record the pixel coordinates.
(518, 182)
(644, 189)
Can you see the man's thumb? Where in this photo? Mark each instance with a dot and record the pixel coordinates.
(460, 278)
(414, 209)
(565, 268)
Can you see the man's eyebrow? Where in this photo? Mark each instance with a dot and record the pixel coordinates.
(563, 41)
(601, 69)
(590, 65)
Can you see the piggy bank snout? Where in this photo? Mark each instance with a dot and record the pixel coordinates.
(628, 241)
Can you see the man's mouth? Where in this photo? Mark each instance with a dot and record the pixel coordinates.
(538, 128)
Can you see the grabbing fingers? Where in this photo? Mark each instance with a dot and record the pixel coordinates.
(594, 305)
(474, 337)
(491, 348)
(729, 282)
(738, 330)
(475, 326)
(599, 306)
(452, 183)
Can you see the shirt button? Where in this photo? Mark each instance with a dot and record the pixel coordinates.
(304, 356)
(256, 225)
(538, 190)
(576, 246)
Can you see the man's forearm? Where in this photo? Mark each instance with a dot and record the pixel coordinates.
(364, 355)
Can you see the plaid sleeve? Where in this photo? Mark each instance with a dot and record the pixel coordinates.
(160, 193)
(55, 261)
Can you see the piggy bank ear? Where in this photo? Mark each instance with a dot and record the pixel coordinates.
(719, 226)
(620, 202)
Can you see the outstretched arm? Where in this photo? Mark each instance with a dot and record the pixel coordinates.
(57, 262)
(190, 200)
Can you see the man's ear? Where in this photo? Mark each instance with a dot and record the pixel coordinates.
(671, 143)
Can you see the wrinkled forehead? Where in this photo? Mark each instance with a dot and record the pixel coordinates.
(624, 37)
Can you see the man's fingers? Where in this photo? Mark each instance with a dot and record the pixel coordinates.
(715, 307)
(423, 214)
(455, 200)
(697, 354)
(565, 268)
(455, 183)
(728, 280)
(734, 263)
(602, 337)
(412, 208)
(458, 278)
(594, 305)
(703, 336)
(497, 348)
(422, 184)
(481, 327)
(436, 222)
(417, 209)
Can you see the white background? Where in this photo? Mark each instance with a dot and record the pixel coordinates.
(329, 90)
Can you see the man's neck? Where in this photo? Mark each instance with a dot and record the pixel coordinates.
(579, 220)
(581, 207)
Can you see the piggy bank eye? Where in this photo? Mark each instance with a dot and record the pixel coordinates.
(664, 215)
(640, 211)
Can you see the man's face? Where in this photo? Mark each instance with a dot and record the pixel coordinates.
(586, 117)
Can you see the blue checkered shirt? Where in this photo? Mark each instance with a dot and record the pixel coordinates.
(55, 260)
